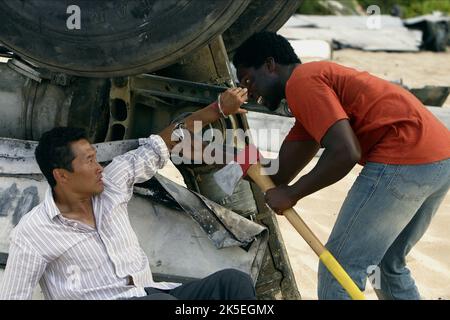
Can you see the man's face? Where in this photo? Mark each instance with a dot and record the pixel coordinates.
(263, 85)
(86, 176)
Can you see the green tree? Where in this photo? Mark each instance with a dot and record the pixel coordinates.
(409, 8)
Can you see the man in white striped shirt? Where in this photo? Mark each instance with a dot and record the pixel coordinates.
(79, 244)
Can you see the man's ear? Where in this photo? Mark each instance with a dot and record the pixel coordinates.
(60, 176)
(270, 64)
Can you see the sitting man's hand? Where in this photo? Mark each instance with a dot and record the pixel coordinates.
(232, 100)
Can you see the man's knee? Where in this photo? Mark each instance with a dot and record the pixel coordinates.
(329, 288)
(236, 276)
(161, 296)
(240, 281)
(231, 273)
(323, 282)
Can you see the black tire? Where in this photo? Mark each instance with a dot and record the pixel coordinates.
(116, 38)
(260, 15)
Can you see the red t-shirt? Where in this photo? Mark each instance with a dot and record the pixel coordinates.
(391, 124)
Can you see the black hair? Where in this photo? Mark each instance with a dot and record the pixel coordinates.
(260, 46)
(54, 150)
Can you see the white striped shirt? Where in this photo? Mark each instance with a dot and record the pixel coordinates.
(72, 260)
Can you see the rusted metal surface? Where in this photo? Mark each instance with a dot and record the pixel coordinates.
(259, 15)
(431, 95)
(201, 93)
(29, 108)
(223, 228)
(17, 156)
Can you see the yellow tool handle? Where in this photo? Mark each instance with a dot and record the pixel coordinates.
(265, 183)
(341, 276)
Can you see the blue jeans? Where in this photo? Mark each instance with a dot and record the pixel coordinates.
(386, 212)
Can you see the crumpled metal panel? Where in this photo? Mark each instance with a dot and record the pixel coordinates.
(355, 32)
(177, 246)
(432, 95)
(223, 227)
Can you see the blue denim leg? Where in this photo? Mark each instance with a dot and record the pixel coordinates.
(396, 280)
(382, 202)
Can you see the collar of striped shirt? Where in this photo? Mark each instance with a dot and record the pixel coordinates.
(50, 205)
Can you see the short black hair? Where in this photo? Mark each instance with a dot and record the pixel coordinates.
(54, 151)
(262, 45)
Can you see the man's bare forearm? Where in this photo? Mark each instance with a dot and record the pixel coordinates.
(293, 158)
(204, 116)
(331, 167)
(230, 102)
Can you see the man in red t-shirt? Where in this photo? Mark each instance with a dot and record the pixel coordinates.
(357, 118)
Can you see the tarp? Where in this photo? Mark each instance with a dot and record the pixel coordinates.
(435, 29)
(356, 32)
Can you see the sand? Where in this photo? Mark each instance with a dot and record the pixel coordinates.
(415, 69)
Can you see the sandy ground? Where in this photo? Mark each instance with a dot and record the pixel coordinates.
(415, 69)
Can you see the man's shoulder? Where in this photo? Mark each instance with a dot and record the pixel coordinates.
(303, 73)
(317, 69)
(307, 76)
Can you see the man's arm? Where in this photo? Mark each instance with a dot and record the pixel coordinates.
(137, 165)
(230, 100)
(293, 157)
(23, 271)
(342, 152)
(141, 164)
